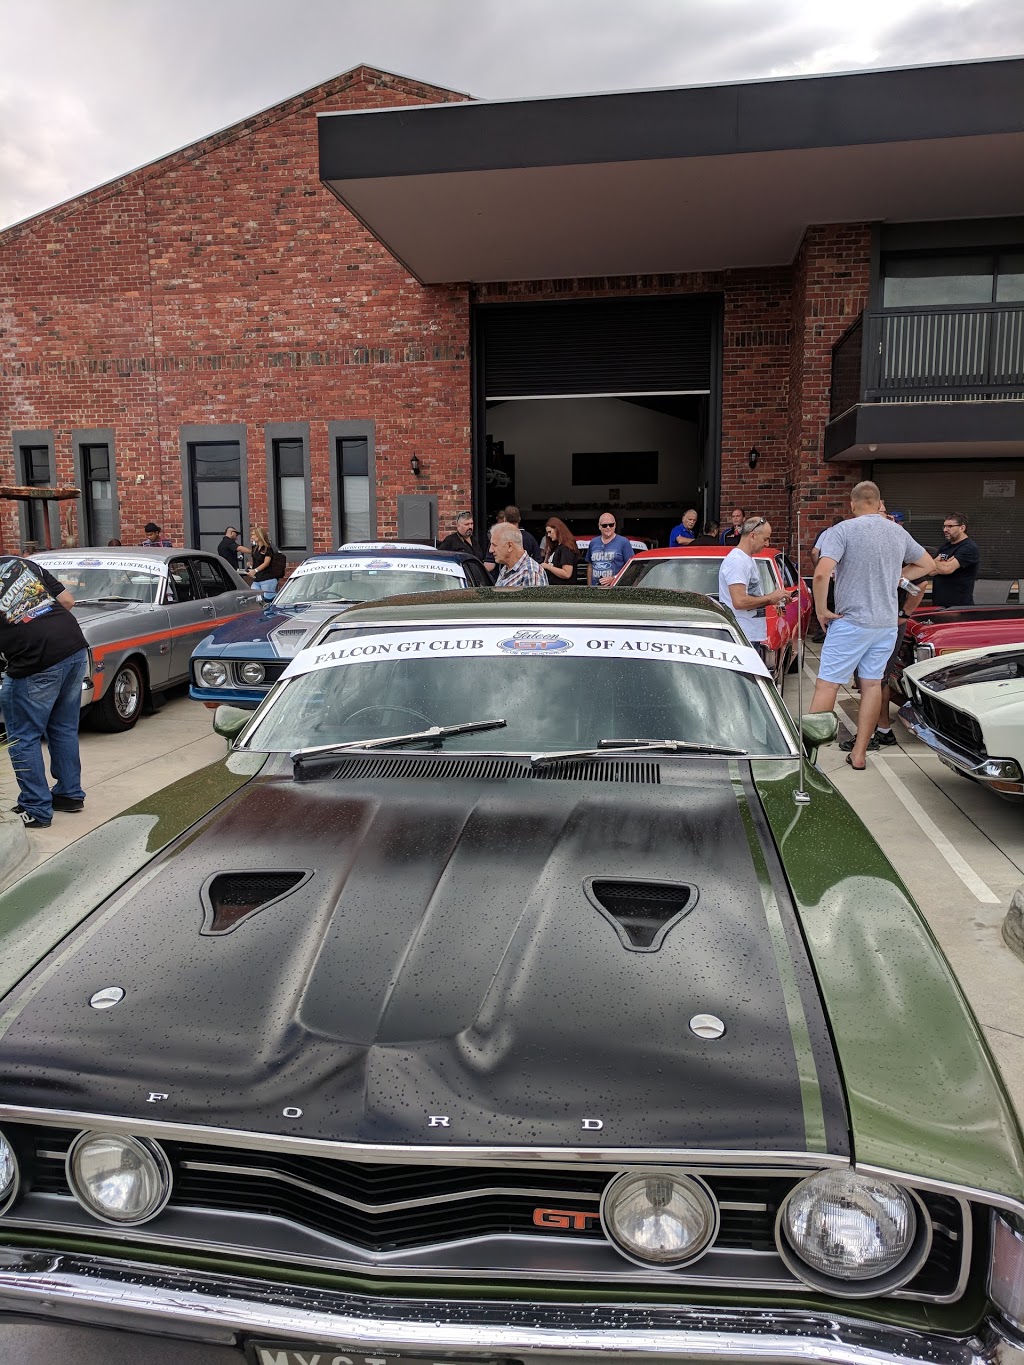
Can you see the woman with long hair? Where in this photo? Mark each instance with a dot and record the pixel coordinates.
(559, 553)
(264, 580)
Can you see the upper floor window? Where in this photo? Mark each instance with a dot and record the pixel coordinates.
(953, 280)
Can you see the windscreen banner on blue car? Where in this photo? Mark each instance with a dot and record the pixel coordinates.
(531, 642)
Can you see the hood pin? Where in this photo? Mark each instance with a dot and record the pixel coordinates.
(107, 998)
(707, 1026)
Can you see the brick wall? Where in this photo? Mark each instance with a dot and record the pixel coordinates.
(830, 288)
(225, 284)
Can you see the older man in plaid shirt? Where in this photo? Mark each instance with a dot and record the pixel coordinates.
(518, 570)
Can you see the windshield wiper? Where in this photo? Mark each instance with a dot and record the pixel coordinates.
(670, 746)
(434, 734)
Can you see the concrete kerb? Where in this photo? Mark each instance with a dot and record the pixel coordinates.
(1013, 924)
(14, 848)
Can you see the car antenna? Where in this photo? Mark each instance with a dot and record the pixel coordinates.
(801, 796)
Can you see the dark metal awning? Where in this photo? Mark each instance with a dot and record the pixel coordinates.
(660, 181)
(965, 430)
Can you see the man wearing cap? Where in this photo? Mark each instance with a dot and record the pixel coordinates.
(153, 539)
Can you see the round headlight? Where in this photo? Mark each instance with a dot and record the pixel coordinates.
(9, 1176)
(119, 1179)
(213, 673)
(842, 1226)
(659, 1218)
(253, 673)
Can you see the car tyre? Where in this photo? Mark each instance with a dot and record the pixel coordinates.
(122, 702)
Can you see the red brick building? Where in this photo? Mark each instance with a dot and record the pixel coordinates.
(748, 294)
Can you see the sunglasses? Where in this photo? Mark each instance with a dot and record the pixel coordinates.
(757, 526)
(606, 525)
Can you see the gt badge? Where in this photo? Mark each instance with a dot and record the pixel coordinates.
(564, 1219)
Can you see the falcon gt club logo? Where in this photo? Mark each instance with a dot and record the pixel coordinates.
(533, 642)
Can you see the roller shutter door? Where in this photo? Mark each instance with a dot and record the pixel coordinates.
(989, 493)
(606, 346)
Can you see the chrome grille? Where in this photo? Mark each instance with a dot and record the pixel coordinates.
(385, 1209)
(952, 724)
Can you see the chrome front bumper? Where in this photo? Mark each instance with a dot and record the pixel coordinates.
(954, 756)
(174, 1303)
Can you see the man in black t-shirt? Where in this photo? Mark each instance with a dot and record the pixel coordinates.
(956, 565)
(44, 658)
(228, 549)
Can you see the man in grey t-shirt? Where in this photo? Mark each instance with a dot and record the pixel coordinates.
(867, 554)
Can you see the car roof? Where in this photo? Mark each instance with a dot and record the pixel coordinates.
(703, 552)
(406, 550)
(634, 606)
(159, 554)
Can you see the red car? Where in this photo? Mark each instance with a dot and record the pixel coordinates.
(695, 569)
(948, 630)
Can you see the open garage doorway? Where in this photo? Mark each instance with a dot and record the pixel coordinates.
(642, 457)
(609, 403)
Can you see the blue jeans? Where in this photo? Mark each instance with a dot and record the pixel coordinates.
(45, 706)
(267, 586)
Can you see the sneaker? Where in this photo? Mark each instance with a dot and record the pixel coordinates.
(847, 744)
(30, 821)
(16, 810)
(885, 737)
(67, 803)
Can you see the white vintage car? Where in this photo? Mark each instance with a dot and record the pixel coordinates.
(970, 710)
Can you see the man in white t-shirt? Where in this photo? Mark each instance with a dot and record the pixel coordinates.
(739, 581)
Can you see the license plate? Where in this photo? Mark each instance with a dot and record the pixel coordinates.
(275, 1353)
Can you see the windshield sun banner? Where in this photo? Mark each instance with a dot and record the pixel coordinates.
(53, 563)
(531, 642)
(372, 563)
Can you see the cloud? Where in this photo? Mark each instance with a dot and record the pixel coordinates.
(127, 82)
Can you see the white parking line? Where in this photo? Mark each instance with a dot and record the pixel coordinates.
(979, 889)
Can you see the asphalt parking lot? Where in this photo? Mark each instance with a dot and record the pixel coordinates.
(959, 849)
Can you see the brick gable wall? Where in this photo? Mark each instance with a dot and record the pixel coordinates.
(225, 284)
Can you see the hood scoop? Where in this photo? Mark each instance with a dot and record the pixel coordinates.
(642, 913)
(229, 898)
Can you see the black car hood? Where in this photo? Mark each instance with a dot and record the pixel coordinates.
(441, 975)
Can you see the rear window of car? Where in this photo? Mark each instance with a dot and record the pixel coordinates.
(685, 574)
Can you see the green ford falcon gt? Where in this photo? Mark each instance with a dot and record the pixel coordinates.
(515, 989)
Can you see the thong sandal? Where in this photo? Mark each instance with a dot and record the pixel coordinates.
(849, 759)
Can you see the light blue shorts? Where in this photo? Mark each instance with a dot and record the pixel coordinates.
(850, 649)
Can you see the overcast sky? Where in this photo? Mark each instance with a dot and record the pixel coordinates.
(88, 91)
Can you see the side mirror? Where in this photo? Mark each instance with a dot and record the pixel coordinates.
(817, 728)
(230, 721)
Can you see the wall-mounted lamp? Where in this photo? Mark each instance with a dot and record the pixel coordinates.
(414, 465)
(753, 457)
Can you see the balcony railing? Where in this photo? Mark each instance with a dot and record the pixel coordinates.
(919, 353)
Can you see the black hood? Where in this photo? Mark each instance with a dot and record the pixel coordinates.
(441, 953)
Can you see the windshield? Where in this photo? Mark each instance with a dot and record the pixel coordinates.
(335, 584)
(95, 584)
(684, 573)
(555, 692)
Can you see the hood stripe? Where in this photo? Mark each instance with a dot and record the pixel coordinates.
(807, 1071)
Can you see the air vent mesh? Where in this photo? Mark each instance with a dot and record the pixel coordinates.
(229, 897)
(642, 912)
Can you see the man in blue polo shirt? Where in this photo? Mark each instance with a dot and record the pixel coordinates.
(606, 554)
(684, 533)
